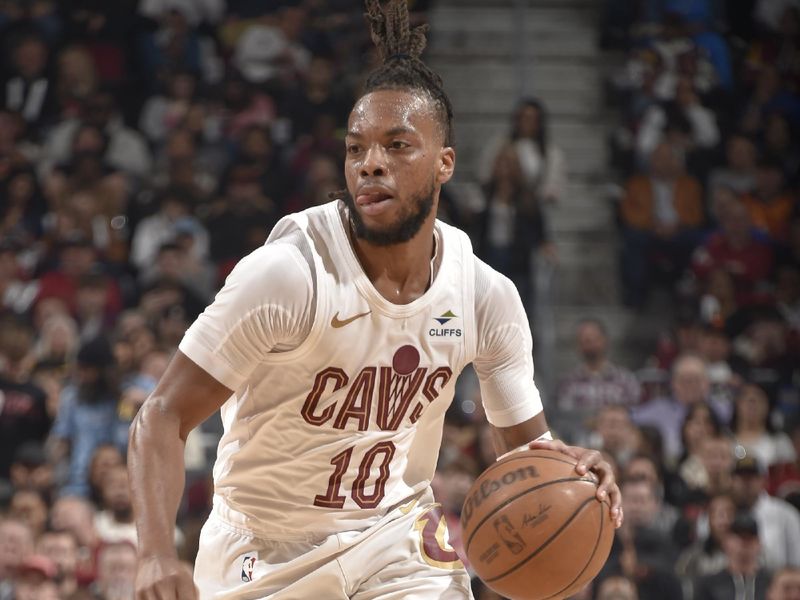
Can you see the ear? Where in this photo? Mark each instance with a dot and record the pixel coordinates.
(447, 164)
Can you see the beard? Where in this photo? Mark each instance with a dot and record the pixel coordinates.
(406, 227)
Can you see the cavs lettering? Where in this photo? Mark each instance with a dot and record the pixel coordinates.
(377, 395)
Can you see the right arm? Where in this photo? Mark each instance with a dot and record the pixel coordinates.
(184, 398)
(264, 304)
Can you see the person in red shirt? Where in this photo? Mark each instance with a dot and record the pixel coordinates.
(737, 251)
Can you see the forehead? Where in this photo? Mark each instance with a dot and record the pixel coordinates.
(382, 111)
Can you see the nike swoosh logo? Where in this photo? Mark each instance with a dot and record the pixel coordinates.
(336, 323)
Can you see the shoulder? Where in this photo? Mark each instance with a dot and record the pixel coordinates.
(273, 263)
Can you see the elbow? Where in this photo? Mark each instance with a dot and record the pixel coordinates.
(154, 422)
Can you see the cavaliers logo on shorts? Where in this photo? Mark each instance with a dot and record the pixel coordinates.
(248, 563)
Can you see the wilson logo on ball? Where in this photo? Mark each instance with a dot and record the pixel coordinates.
(490, 486)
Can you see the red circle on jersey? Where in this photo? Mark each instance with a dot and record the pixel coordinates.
(405, 360)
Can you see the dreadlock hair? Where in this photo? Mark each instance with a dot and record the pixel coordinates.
(400, 48)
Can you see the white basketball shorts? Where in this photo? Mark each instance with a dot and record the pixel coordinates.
(406, 556)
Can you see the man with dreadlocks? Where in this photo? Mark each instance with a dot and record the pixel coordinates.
(333, 352)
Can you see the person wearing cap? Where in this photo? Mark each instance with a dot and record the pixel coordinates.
(87, 413)
(743, 578)
(778, 521)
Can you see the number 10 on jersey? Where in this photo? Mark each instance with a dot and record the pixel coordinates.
(334, 498)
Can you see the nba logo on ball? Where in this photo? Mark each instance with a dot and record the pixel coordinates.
(248, 563)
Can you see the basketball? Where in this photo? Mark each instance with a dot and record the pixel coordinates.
(533, 528)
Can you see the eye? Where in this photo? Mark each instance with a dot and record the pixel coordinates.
(399, 145)
(353, 148)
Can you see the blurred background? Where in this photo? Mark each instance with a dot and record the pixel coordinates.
(632, 165)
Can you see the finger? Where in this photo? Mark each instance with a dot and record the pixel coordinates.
(615, 496)
(556, 445)
(591, 459)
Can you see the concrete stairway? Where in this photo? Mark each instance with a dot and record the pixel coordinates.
(490, 53)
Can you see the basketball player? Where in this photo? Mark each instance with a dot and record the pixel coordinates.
(333, 352)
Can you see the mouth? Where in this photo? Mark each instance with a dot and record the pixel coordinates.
(372, 202)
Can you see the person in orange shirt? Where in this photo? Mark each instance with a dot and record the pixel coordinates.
(661, 213)
(770, 205)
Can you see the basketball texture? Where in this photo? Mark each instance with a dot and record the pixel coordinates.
(533, 528)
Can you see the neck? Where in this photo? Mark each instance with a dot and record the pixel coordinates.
(400, 272)
(596, 364)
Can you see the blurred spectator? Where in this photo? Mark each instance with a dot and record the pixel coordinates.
(319, 94)
(706, 556)
(16, 544)
(30, 507)
(644, 508)
(30, 469)
(617, 587)
(645, 557)
(77, 264)
(174, 214)
(114, 522)
(596, 382)
(23, 413)
(770, 205)
(163, 114)
(616, 433)
(126, 149)
(87, 413)
(699, 425)
(710, 473)
(737, 251)
(34, 579)
(661, 213)
(76, 516)
(512, 226)
(541, 163)
(244, 106)
(27, 88)
(785, 585)
(268, 51)
(739, 172)
(23, 207)
(240, 221)
(686, 113)
(77, 79)
(778, 521)
(753, 430)
(61, 547)
(784, 478)
(742, 579)
(116, 571)
(689, 385)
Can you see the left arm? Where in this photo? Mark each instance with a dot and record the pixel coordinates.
(504, 365)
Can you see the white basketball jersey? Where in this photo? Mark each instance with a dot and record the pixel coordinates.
(330, 435)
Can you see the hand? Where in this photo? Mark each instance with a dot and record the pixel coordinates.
(164, 578)
(590, 460)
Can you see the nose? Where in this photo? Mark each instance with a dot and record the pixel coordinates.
(374, 164)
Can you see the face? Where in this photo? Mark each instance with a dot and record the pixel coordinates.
(117, 567)
(698, 427)
(690, 383)
(592, 342)
(721, 511)
(716, 456)
(741, 549)
(62, 549)
(28, 507)
(116, 490)
(614, 427)
(752, 406)
(746, 488)
(528, 122)
(741, 153)
(16, 542)
(395, 165)
(104, 460)
(642, 468)
(639, 503)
